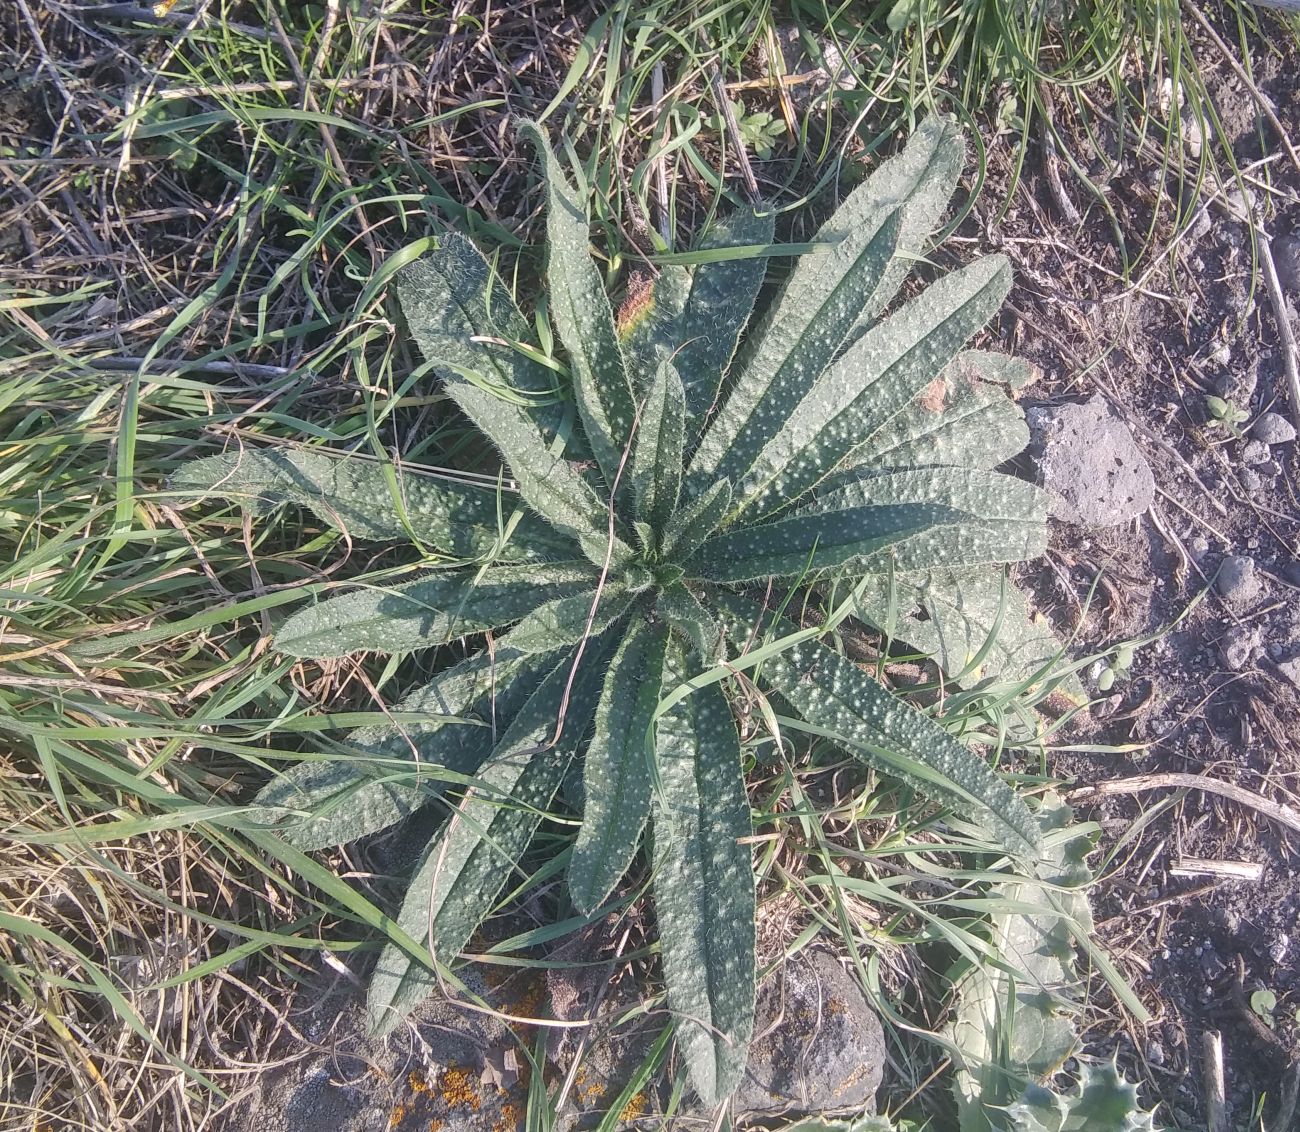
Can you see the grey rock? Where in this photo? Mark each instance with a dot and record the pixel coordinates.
(1238, 646)
(1291, 572)
(1194, 133)
(1251, 481)
(1088, 460)
(821, 1048)
(1291, 670)
(1273, 428)
(1286, 258)
(1255, 452)
(1238, 386)
(1238, 581)
(1199, 545)
(1239, 202)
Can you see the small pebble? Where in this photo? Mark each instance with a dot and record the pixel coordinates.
(1239, 643)
(1155, 1053)
(1278, 948)
(1291, 572)
(1237, 581)
(1199, 545)
(1251, 481)
(1273, 428)
(1291, 670)
(1255, 452)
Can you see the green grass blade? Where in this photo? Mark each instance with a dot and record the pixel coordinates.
(616, 772)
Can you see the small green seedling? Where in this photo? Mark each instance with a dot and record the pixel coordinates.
(1117, 669)
(1263, 1003)
(1225, 413)
(760, 131)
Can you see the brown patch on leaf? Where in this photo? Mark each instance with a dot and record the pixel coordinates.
(934, 395)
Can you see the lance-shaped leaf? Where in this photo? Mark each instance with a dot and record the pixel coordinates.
(428, 611)
(317, 804)
(567, 620)
(581, 311)
(465, 322)
(694, 522)
(550, 484)
(832, 295)
(657, 456)
(366, 500)
(616, 772)
(974, 623)
(462, 874)
(877, 377)
(812, 542)
(704, 886)
(962, 417)
(878, 728)
(1004, 519)
(687, 617)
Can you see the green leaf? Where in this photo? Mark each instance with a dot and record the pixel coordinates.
(657, 456)
(1018, 1011)
(429, 611)
(369, 500)
(581, 311)
(684, 613)
(960, 418)
(873, 725)
(567, 620)
(957, 616)
(616, 771)
(694, 522)
(1100, 1101)
(704, 886)
(435, 292)
(463, 872)
(832, 295)
(819, 541)
(874, 380)
(345, 799)
(1004, 519)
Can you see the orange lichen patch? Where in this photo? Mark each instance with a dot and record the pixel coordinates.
(435, 1125)
(588, 1091)
(835, 1006)
(511, 1118)
(634, 1108)
(459, 1088)
(933, 395)
(419, 1084)
(397, 1115)
(637, 305)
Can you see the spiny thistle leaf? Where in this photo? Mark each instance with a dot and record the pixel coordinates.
(324, 803)
(1101, 1101)
(704, 886)
(874, 726)
(616, 774)
(464, 870)
(657, 455)
(429, 611)
(582, 314)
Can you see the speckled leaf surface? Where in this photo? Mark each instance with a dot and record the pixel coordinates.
(450, 297)
(832, 295)
(877, 727)
(428, 611)
(820, 541)
(704, 886)
(690, 620)
(464, 871)
(695, 521)
(960, 418)
(616, 771)
(365, 500)
(657, 454)
(875, 379)
(1005, 518)
(566, 620)
(955, 615)
(464, 707)
(583, 317)
(648, 322)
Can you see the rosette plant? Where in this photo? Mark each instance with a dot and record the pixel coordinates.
(659, 474)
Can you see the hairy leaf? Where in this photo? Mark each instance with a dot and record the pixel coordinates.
(1004, 519)
(832, 295)
(657, 456)
(616, 774)
(464, 871)
(582, 314)
(567, 620)
(429, 611)
(684, 613)
(875, 379)
(873, 725)
(351, 798)
(819, 541)
(704, 886)
(695, 521)
(366, 500)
